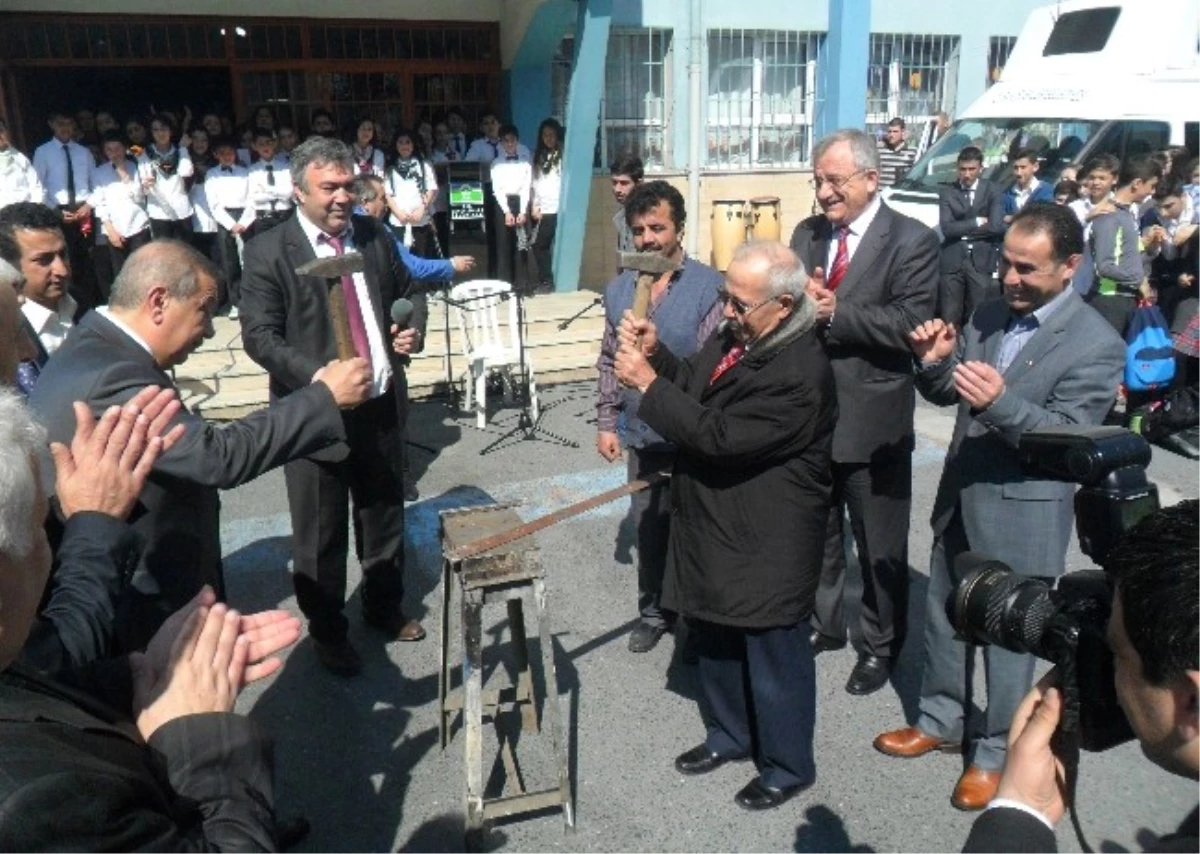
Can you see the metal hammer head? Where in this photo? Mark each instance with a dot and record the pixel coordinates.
(333, 267)
(647, 263)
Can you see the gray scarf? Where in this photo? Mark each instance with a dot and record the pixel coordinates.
(802, 319)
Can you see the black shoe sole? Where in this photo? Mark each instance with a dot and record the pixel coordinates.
(763, 806)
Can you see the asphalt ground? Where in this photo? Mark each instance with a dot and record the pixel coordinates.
(360, 758)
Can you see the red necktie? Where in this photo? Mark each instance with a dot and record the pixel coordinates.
(728, 361)
(841, 261)
(354, 315)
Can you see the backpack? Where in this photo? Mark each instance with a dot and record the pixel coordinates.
(1149, 356)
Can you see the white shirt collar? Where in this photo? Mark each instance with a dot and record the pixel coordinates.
(860, 225)
(104, 312)
(40, 317)
(313, 231)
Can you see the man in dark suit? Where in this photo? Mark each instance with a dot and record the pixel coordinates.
(1038, 358)
(971, 217)
(159, 311)
(752, 415)
(287, 329)
(875, 277)
(136, 753)
(1152, 634)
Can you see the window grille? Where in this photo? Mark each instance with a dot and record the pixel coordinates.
(999, 47)
(910, 76)
(762, 97)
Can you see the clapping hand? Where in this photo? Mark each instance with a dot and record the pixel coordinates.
(933, 341)
(825, 299)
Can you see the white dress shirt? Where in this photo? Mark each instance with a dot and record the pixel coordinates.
(167, 197)
(857, 229)
(120, 201)
(512, 178)
(51, 166)
(380, 364)
(1023, 195)
(51, 325)
(224, 190)
(265, 197)
(19, 181)
(547, 187)
(373, 156)
(408, 193)
(484, 150)
(203, 221)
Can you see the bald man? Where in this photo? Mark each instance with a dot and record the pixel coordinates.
(159, 312)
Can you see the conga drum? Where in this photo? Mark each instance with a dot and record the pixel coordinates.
(763, 219)
(728, 230)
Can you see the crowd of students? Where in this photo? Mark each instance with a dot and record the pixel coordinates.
(217, 186)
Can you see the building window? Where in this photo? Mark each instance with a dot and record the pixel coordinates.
(999, 48)
(762, 89)
(635, 107)
(910, 76)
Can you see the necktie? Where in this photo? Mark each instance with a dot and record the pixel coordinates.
(228, 169)
(495, 149)
(728, 361)
(970, 196)
(271, 177)
(354, 315)
(841, 261)
(513, 157)
(27, 376)
(70, 176)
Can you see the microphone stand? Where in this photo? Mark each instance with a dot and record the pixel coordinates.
(597, 301)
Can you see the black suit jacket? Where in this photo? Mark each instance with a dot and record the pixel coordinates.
(960, 226)
(178, 512)
(889, 288)
(1005, 829)
(285, 317)
(75, 773)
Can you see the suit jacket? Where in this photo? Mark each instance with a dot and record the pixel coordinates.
(1067, 373)
(285, 317)
(178, 512)
(751, 486)
(1043, 192)
(75, 774)
(964, 241)
(889, 288)
(1005, 829)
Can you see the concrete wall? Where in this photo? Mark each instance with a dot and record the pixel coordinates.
(418, 10)
(600, 239)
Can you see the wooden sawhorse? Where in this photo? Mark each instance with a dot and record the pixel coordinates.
(508, 574)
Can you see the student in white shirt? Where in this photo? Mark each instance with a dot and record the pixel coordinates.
(411, 189)
(1098, 179)
(443, 151)
(456, 125)
(65, 168)
(547, 185)
(225, 191)
(485, 150)
(120, 202)
(512, 186)
(18, 179)
(269, 187)
(164, 167)
(204, 227)
(368, 159)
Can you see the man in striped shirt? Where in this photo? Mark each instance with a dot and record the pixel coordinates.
(895, 158)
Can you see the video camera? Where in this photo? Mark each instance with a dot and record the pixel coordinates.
(1066, 624)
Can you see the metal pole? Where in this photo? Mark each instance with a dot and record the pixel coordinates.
(696, 130)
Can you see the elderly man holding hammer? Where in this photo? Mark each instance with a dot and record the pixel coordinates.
(326, 283)
(680, 295)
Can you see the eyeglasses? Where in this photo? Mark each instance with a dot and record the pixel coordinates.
(739, 307)
(837, 183)
(367, 196)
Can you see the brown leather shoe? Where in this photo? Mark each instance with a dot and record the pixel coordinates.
(910, 742)
(393, 624)
(975, 788)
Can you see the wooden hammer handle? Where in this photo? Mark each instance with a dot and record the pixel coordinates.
(641, 296)
(341, 322)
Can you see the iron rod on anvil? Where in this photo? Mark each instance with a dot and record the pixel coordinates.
(478, 547)
(332, 269)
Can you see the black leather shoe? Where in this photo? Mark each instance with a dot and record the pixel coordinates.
(869, 674)
(757, 795)
(701, 760)
(824, 643)
(410, 493)
(645, 636)
(290, 832)
(339, 657)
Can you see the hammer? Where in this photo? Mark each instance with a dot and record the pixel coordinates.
(333, 269)
(649, 267)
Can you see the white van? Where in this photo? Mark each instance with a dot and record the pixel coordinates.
(1085, 77)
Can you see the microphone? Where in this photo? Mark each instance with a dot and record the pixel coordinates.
(402, 312)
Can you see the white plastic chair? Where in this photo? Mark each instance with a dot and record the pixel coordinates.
(483, 347)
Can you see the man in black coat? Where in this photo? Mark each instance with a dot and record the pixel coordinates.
(971, 218)
(287, 329)
(875, 274)
(159, 311)
(752, 414)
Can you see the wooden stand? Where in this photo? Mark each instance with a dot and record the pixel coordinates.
(509, 573)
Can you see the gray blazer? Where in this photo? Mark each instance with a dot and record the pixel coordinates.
(889, 288)
(178, 513)
(1067, 373)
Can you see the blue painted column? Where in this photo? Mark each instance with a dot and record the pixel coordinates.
(529, 80)
(844, 68)
(582, 121)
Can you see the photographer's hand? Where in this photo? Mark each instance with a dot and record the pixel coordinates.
(1033, 775)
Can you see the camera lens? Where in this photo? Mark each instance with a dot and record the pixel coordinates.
(994, 605)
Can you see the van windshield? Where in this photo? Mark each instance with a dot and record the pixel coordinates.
(1058, 142)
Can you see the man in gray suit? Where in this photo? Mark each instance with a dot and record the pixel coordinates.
(160, 311)
(874, 279)
(1040, 357)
